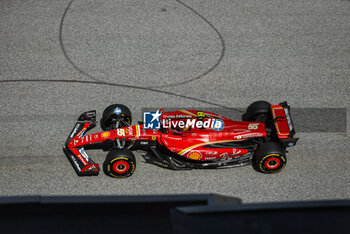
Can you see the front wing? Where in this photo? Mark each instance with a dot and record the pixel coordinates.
(81, 162)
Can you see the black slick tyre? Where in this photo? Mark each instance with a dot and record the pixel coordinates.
(259, 111)
(113, 113)
(269, 158)
(119, 163)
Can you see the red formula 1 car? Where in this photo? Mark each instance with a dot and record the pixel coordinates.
(185, 139)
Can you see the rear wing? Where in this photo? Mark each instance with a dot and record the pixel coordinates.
(283, 123)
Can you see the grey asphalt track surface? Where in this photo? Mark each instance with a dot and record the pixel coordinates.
(61, 58)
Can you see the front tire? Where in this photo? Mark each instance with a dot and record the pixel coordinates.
(113, 114)
(119, 163)
(270, 158)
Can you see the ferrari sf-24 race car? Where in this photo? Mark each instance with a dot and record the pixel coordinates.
(184, 139)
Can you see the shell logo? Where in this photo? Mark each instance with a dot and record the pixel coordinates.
(105, 134)
(194, 156)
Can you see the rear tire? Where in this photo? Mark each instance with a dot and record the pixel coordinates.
(269, 158)
(114, 113)
(119, 163)
(259, 111)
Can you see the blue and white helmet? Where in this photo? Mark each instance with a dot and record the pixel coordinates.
(117, 111)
